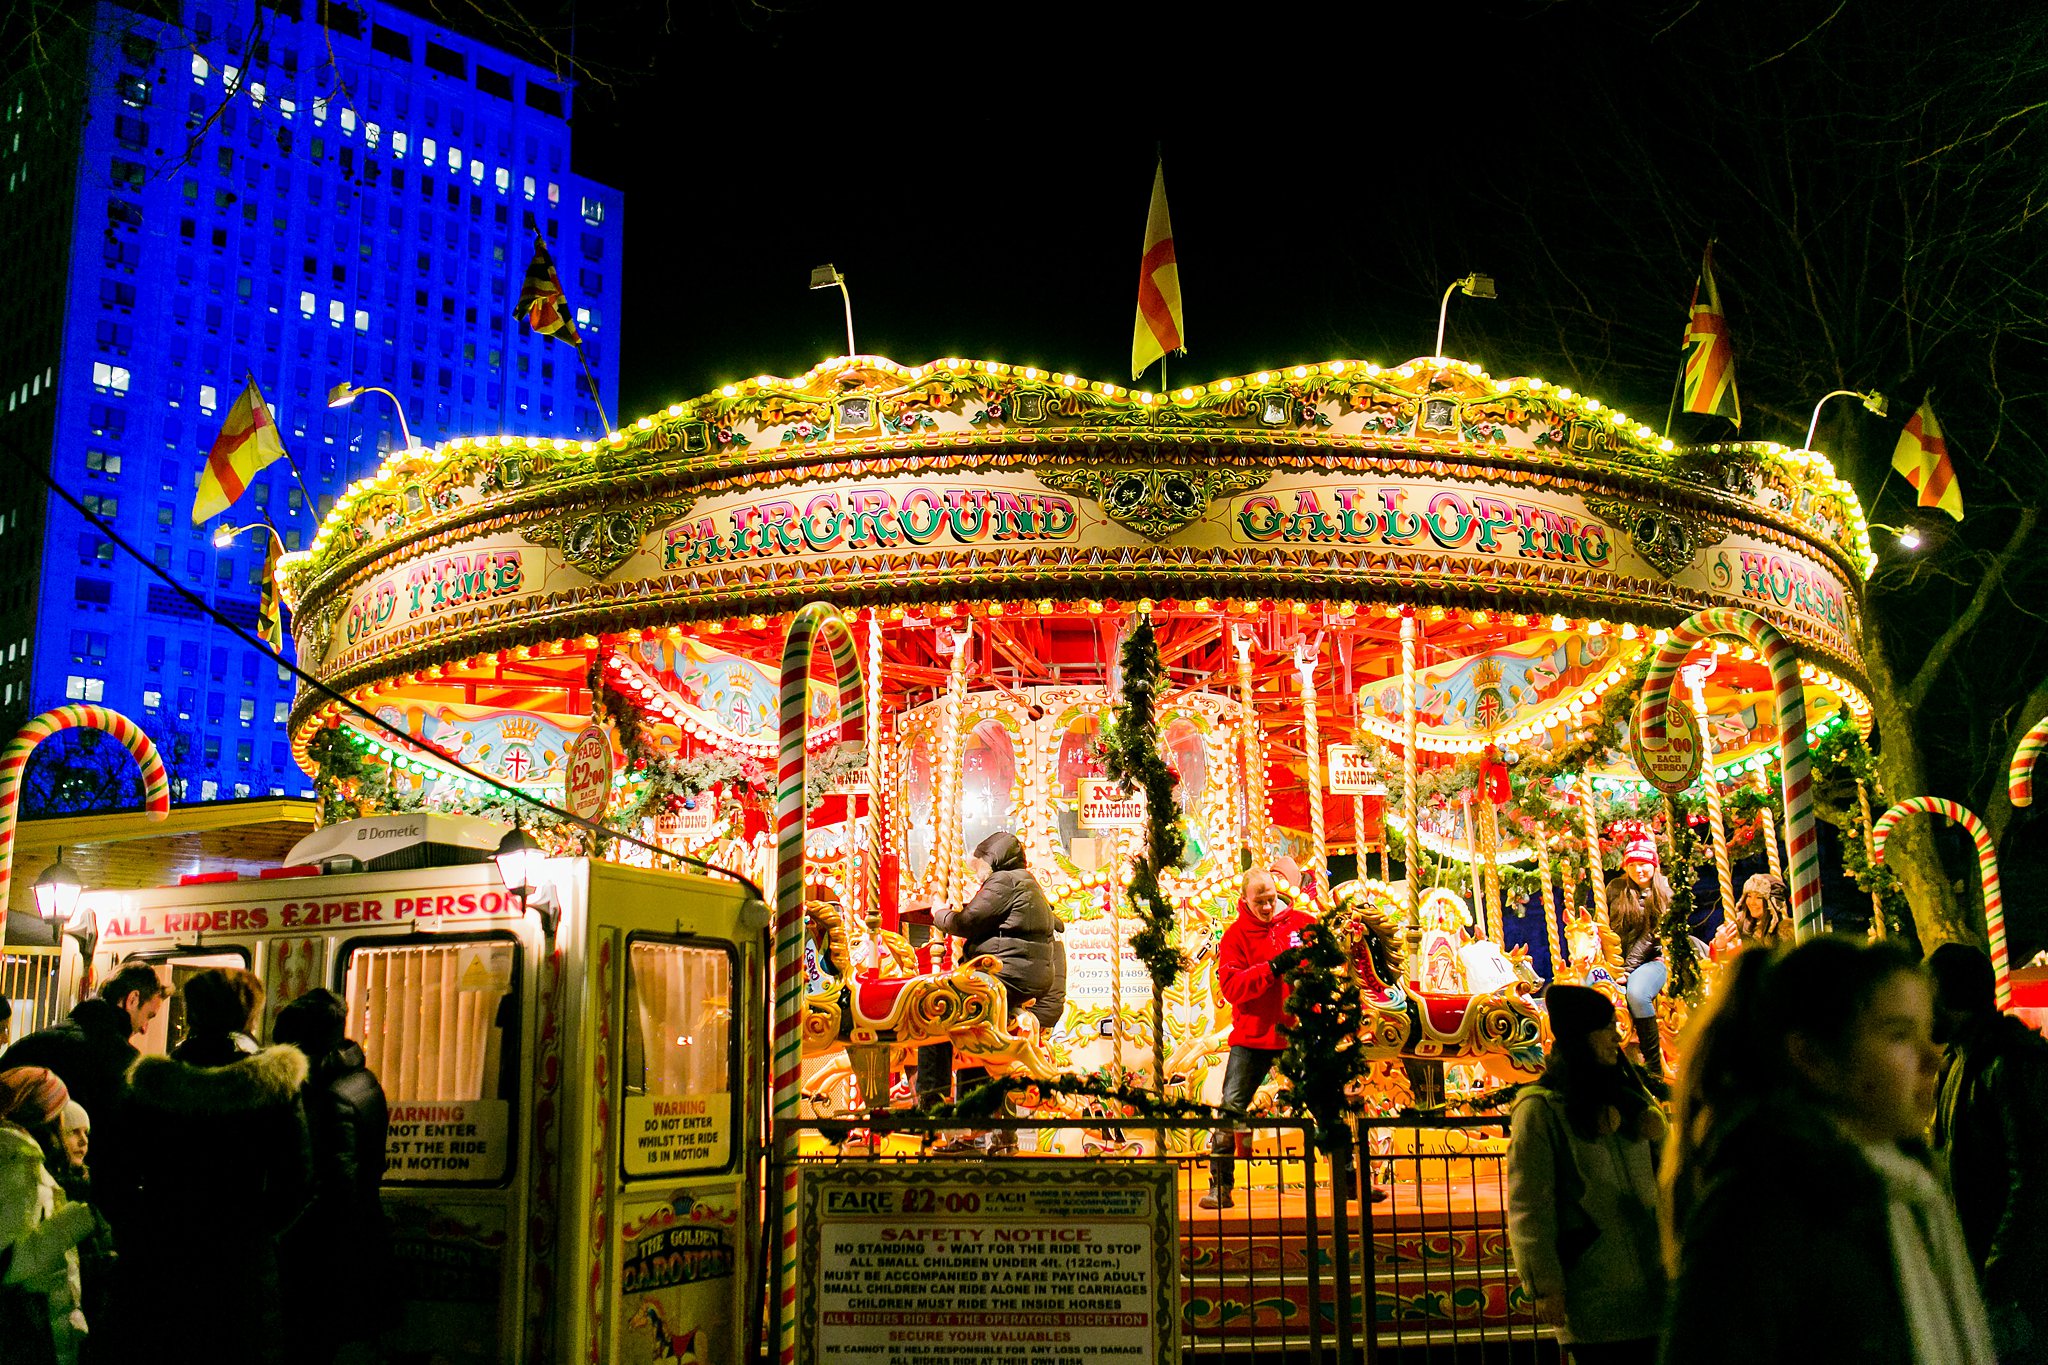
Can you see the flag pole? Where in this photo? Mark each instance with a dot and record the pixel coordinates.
(593, 388)
(290, 463)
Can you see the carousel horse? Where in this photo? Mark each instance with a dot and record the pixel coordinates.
(898, 1007)
(1486, 1018)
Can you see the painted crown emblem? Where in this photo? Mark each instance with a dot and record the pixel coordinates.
(1487, 672)
(521, 728)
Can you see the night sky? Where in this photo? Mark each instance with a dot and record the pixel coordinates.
(982, 181)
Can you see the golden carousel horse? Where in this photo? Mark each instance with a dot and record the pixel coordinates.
(1593, 958)
(1473, 1005)
(875, 1012)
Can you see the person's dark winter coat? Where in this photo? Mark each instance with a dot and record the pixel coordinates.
(1009, 919)
(90, 1053)
(227, 1173)
(1989, 1118)
(343, 1238)
(1791, 1181)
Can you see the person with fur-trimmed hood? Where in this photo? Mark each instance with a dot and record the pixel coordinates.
(226, 1173)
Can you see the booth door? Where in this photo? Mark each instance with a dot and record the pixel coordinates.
(440, 1024)
(682, 1211)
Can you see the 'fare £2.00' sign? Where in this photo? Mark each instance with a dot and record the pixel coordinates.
(587, 778)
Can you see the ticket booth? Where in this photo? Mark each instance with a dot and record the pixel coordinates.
(573, 1079)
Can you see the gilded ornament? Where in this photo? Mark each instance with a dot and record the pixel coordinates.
(1668, 539)
(598, 540)
(1154, 502)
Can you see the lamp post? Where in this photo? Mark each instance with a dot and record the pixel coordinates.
(1909, 538)
(518, 857)
(1475, 286)
(224, 536)
(1872, 400)
(826, 277)
(345, 393)
(57, 890)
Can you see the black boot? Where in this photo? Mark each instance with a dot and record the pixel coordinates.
(1650, 1046)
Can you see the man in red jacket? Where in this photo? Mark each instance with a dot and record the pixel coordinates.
(1264, 928)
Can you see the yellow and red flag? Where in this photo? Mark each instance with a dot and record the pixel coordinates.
(269, 609)
(1159, 327)
(1922, 456)
(1709, 374)
(247, 442)
(541, 298)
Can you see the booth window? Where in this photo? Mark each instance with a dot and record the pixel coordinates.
(679, 1047)
(433, 1020)
(439, 1025)
(167, 1030)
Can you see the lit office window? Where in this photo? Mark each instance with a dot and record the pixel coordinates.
(399, 144)
(109, 378)
(526, 186)
(454, 158)
(256, 93)
(308, 305)
(427, 150)
(200, 70)
(152, 698)
(554, 194)
(362, 325)
(371, 135)
(230, 76)
(287, 107)
(84, 689)
(336, 312)
(593, 210)
(348, 120)
(503, 179)
(319, 109)
(209, 398)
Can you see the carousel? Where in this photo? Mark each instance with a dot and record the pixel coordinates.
(1388, 607)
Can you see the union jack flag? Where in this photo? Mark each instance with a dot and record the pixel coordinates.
(541, 298)
(1709, 376)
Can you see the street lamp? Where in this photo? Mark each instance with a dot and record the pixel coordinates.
(1909, 538)
(1475, 286)
(826, 277)
(57, 891)
(519, 857)
(344, 393)
(1872, 400)
(224, 536)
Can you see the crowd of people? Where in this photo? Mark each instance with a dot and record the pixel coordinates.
(135, 1188)
(1850, 1167)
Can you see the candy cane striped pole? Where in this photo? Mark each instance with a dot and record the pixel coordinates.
(2020, 780)
(797, 646)
(156, 784)
(1802, 844)
(1987, 868)
(1724, 872)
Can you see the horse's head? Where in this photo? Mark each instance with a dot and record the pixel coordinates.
(648, 1314)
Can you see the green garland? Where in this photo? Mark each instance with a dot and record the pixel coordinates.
(1689, 853)
(1323, 1064)
(665, 780)
(1838, 762)
(1131, 759)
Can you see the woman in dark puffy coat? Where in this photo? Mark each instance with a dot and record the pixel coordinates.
(1010, 920)
(225, 1169)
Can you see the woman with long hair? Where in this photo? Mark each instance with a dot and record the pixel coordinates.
(1582, 1188)
(40, 1319)
(1761, 917)
(1797, 1141)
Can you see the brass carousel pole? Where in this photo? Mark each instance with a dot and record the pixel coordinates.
(1472, 864)
(1767, 825)
(1319, 851)
(1695, 681)
(1410, 627)
(1551, 933)
(1596, 871)
(1254, 755)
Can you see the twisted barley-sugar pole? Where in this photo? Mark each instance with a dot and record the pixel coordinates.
(1987, 869)
(1552, 934)
(1255, 809)
(804, 629)
(871, 864)
(1724, 872)
(1596, 868)
(1411, 892)
(1802, 846)
(156, 784)
(1767, 826)
(1311, 743)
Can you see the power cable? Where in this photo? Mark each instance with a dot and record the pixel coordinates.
(358, 709)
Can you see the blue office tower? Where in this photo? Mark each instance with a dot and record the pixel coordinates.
(311, 195)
